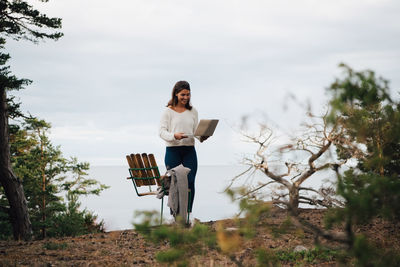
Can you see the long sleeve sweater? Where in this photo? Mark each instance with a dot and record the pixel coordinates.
(178, 191)
(175, 122)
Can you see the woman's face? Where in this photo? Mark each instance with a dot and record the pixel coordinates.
(183, 97)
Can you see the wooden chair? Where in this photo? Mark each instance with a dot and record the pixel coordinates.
(144, 172)
(145, 175)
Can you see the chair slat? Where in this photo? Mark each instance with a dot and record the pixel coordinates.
(149, 171)
(141, 165)
(137, 172)
(134, 172)
(156, 172)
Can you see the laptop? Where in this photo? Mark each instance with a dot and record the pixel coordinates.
(205, 128)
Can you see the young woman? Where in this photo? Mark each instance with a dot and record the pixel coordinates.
(177, 126)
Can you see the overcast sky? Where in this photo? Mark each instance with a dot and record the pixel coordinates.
(104, 85)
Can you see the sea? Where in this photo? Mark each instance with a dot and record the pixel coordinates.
(117, 205)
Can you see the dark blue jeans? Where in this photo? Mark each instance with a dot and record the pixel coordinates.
(185, 155)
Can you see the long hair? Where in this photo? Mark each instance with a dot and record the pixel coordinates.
(179, 86)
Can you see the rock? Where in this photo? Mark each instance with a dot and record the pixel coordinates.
(299, 248)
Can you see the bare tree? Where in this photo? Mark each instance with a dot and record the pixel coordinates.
(291, 164)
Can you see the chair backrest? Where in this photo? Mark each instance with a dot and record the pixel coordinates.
(143, 169)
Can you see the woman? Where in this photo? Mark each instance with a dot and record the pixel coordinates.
(177, 126)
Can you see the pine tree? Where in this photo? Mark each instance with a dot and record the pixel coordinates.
(371, 122)
(52, 183)
(18, 20)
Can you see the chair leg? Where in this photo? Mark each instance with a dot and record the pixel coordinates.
(188, 210)
(162, 208)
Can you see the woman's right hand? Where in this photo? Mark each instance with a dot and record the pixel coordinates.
(179, 136)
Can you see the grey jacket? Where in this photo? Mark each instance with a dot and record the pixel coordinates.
(178, 191)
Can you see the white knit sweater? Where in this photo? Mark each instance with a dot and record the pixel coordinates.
(175, 122)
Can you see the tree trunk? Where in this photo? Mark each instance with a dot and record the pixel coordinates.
(294, 200)
(19, 216)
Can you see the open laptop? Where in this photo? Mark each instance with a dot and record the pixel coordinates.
(205, 128)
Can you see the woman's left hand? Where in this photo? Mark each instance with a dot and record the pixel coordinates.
(203, 138)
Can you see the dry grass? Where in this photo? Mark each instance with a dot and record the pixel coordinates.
(128, 248)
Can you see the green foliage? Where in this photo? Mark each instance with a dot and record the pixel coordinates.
(367, 254)
(370, 123)
(55, 246)
(308, 256)
(73, 222)
(362, 89)
(170, 255)
(266, 258)
(367, 124)
(52, 183)
(299, 258)
(367, 196)
(20, 20)
(254, 211)
(184, 242)
(9, 82)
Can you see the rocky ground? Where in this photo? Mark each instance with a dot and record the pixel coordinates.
(121, 248)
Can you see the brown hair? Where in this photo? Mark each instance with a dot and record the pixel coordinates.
(179, 86)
